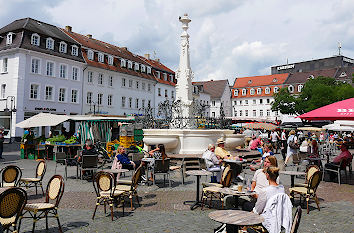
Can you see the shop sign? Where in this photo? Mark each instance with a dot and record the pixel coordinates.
(45, 109)
(285, 67)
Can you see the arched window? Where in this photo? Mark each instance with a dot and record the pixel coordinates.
(100, 57)
(291, 88)
(122, 63)
(276, 89)
(90, 54)
(299, 87)
(62, 47)
(252, 91)
(235, 92)
(244, 91)
(267, 90)
(35, 39)
(259, 91)
(110, 60)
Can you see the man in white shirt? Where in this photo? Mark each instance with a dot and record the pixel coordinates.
(275, 137)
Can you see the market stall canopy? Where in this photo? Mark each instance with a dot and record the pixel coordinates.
(43, 119)
(340, 126)
(310, 129)
(266, 126)
(342, 110)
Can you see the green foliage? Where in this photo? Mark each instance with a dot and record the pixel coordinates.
(316, 93)
(58, 138)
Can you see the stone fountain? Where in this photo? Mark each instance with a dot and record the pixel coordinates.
(189, 139)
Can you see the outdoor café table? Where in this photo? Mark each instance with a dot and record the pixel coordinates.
(115, 171)
(230, 191)
(3, 189)
(292, 174)
(236, 218)
(198, 174)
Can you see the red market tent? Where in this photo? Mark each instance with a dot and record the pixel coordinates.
(342, 110)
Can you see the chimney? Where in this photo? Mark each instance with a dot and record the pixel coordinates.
(125, 48)
(147, 56)
(68, 28)
(89, 36)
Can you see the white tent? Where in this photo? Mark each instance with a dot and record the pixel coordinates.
(43, 119)
(337, 127)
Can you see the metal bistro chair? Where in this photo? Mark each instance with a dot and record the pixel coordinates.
(309, 172)
(106, 191)
(10, 176)
(162, 167)
(60, 157)
(88, 163)
(54, 192)
(12, 202)
(338, 168)
(296, 221)
(30, 182)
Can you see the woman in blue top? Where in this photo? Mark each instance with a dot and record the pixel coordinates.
(123, 158)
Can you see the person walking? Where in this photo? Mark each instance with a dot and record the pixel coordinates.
(291, 150)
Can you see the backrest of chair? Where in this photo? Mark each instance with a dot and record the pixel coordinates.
(103, 181)
(314, 181)
(11, 174)
(136, 177)
(161, 166)
(41, 169)
(296, 221)
(310, 171)
(89, 161)
(12, 202)
(55, 189)
(227, 179)
(224, 173)
(60, 156)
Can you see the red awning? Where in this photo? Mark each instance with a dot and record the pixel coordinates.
(342, 110)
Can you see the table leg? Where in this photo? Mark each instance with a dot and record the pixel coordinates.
(292, 180)
(197, 202)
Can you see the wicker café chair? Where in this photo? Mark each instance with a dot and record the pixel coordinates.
(104, 185)
(10, 176)
(130, 190)
(12, 202)
(30, 182)
(222, 181)
(309, 172)
(309, 191)
(54, 192)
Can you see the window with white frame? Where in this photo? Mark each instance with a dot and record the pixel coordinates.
(267, 90)
(123, 82)
(49, 93)
(50, 69)
(130, 65)
(3, 91)
(75, 74)
(49, 44)
(254, 102)
(158, 74)
(130, 102)
(246, 102)
(235, 92)
(137, 103)
(90, 77)
(268, 101)
(143, 86)
(74, 96)
(130, 83)
(260, 101)
(240, 102)
(5, 64)
(276, 89)
(240, 113)
(100, 57)
(276, 113)
(246, 113)
(244, 91)
(35, 39)
(62, 47)
(99, 98)
(259, 91)
(89, 98)
(268, 112)
(110, 60)
(171, 78)
(291, 88)
(9, 38)
(110, 81)
(34, 91)
(123, 63)
(166, 95)
(254, 113)
(137, 85)
(213, 114)
(149, 87)
(148, 70)
(35, 65)
(100, 79)
(74, 50)
(173, 95)
(136, 66)
(109, 100)
(143, 68)
(252, 91)
(299, 87)
(62, 71)
(123, 101)
(90, 54)
(235, 113)
(143, 103)
(261, 113)
(165, 76)
(159, 91)
(62, 93)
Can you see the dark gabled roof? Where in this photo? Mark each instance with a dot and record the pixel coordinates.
(302, 77)
(344, 73)
(214, 88)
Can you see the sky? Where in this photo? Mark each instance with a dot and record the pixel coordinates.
(228, 38)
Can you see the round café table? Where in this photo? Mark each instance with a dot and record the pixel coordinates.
(115, 171)
(292, 175)
(236, 218)
(233, 192)
(198, 174)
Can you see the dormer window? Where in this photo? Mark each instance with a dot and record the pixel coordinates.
(267, 90)
(259, 91)
(249, 81)
(275, 80)
(130, 65)
(291, 88)
(9, 38)
(49, 43)
(100, 57)
(149, 70)
(74, 50)
(35, 39)
(165, 76)
(299, 88)
(244, 91)
(171, 78)
(90, 54)
(158, 74)
(123, 63)
(62, 47)
(311, 77)
(142, 68)
(110, 60)
(136, 66)
(235, 92)
(276, 89)
(252, 91)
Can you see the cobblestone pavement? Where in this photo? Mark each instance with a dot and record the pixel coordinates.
(162, 208)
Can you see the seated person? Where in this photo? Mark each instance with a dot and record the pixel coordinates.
(220, 151)
(158, 153)
(122, 157)
(345, 154)
(268, 151)
(87, 149)
(212, 162)
(256, 143)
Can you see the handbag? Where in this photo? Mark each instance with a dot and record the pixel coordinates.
(293, 144)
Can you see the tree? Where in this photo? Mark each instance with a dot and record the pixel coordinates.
(316, 93)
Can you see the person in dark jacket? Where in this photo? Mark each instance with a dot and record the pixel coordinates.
(123, 158)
